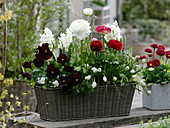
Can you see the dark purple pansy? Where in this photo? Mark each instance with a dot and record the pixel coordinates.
(62, 59)
(26, 75)
(38, 62)
(68, 68)
(43, 52)
(77, 78)
(27, 64)
(52, 71)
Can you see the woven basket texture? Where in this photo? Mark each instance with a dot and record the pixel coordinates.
(101, 103)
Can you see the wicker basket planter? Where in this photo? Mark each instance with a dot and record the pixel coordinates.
(62, 106)
(159, 99)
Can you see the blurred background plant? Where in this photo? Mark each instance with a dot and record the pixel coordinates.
(30, 18)
(143, 15)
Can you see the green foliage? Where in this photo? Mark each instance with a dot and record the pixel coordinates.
(160, 74)
(146, 9)
(29, 19)
(161, 123)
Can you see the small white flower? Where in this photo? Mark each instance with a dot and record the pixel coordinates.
(88, 77)
(94, 39)
(143, 60)
(151, 69)
(94, 69)
(80, 28)
(132, 71)
(12, 96)
(133, 76)
(41, 80)
(149, 92)
(86, 65)
(55, 83)
(94, 84)
(142, 83)
(105, 79)
(114, 78)
(88, 11)
(99, 69)
(137, 56)
(127, 68)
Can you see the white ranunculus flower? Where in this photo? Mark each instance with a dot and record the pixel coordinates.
(41, 80)
(99, 69)
(65, 39)
(47, 37)
(88, 11)
(94, 84)
(114, 78)
(55, 83)
(88, 77)
(151, 69)
(105, 79)
(132, 71)
(80, 28)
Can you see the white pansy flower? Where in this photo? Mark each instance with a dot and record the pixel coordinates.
(88, 77)
(151, 69)
(114, 78)
(65, 39)
(88, 11)
(132, 71)
(149, 92)
(80, 28)
(47, 37)
(55, 83)
(94, 84)
(99, 69)
(41, 80)
(105, 79)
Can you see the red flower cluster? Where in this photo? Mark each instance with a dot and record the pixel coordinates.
(96, 45)
(153, 63)
(103, 29)
(115, 44)
(148, 50)
(142, 57)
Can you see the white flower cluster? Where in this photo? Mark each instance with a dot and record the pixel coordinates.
(47, 37)
(65, 39)
(80, 28)
(115, 33)
(95, 70)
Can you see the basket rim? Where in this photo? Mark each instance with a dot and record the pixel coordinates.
(100, 86)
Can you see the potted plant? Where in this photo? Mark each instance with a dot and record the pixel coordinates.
(157, 77)
(90, 78)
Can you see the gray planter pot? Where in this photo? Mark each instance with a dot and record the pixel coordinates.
(159, 99)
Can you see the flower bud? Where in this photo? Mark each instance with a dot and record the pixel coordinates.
(114, 78)
(127, 68)
(149, 92)
(99, 69)
(88, 77)
(151, 69)
(94, 84)
(88, 11)
(132, 71)
(105, 79)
